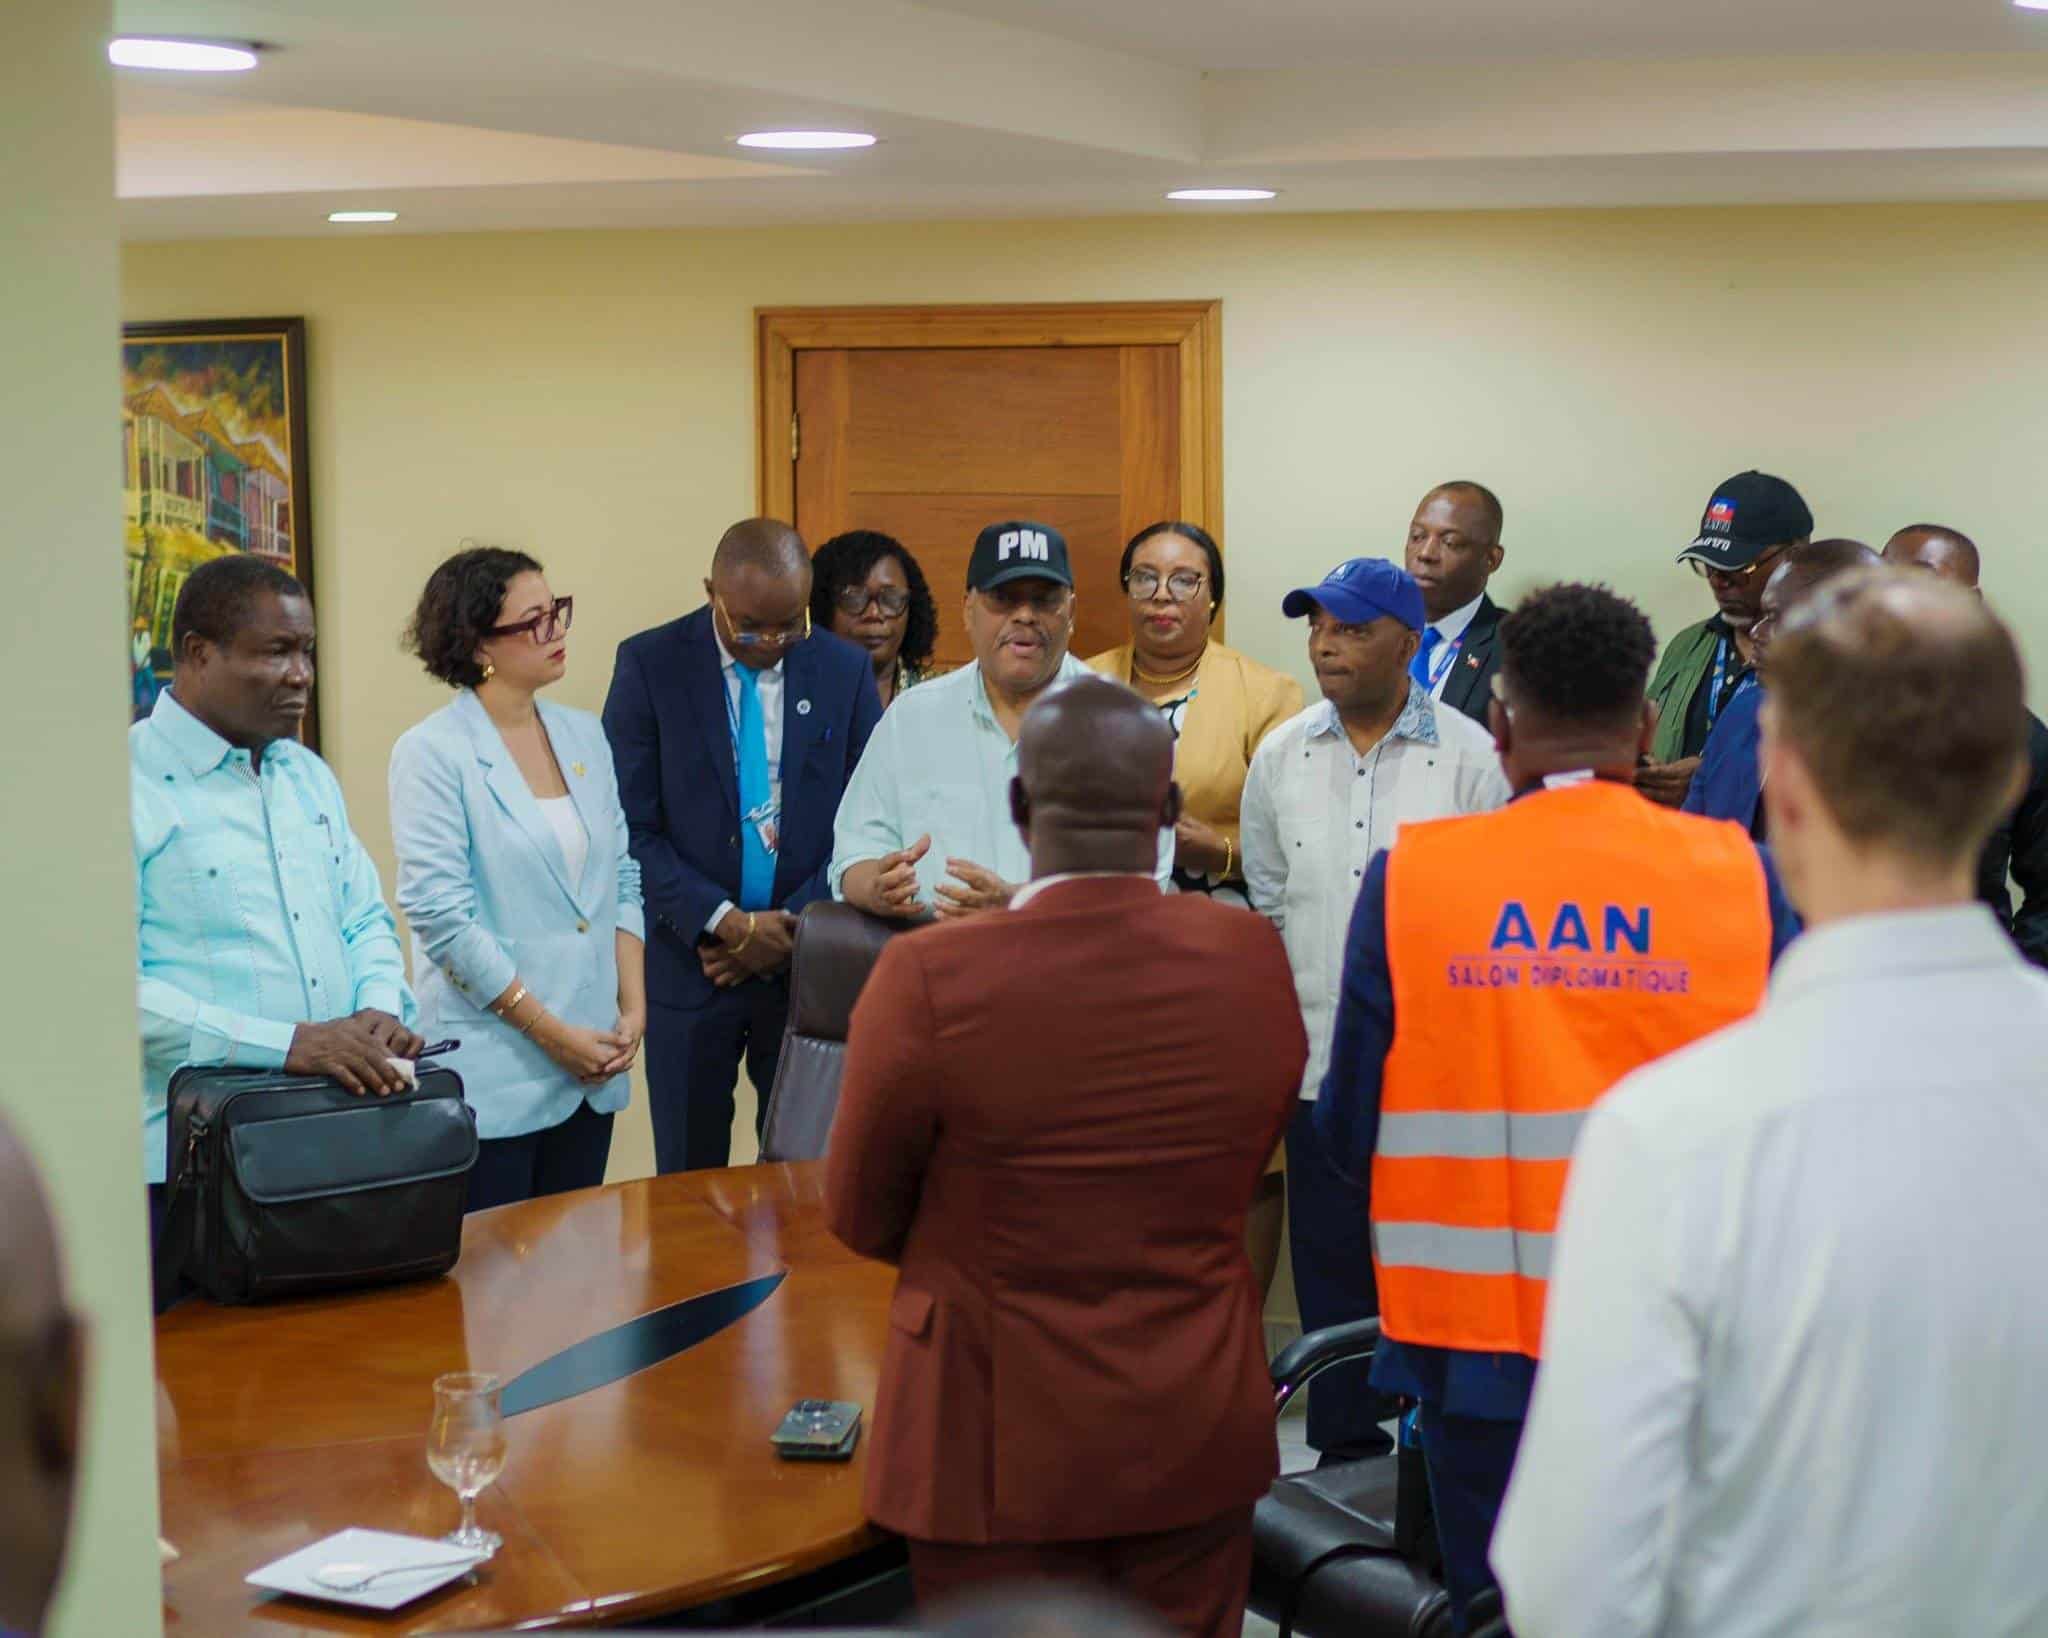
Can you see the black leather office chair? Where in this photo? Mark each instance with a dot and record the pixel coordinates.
(836, 948)
(1328, 1556)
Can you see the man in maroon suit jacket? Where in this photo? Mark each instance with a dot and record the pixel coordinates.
(1054, 1121)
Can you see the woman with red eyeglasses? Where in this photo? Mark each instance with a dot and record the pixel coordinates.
(514, 873)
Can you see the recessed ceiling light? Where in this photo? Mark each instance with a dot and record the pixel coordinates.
(362, 216)
(2031, 5)
(806, 139)
(183, 56)
(1223, 195)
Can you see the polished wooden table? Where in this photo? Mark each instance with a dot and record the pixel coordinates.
(647, 1495)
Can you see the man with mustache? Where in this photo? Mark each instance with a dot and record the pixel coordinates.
(263, 937)
(1327, 791)
(925, 826)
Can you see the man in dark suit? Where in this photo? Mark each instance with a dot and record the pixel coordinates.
(1453, 548)
(734, 730)
(2018, 848)
(1054, 1119)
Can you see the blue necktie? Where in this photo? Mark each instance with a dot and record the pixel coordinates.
(1419, 667)
(757, 808)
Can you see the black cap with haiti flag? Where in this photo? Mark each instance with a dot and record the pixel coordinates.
(1749, 514)
(1018, 551)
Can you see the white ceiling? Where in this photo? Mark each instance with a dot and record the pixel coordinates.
(493, 114)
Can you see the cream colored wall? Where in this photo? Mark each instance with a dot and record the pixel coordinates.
(590, 395)
(67, 965)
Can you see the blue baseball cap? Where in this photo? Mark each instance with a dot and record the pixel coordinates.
(1363, 589)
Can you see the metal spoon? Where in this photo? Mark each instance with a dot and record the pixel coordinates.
(349, 1577)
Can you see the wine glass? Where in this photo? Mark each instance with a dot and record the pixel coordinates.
(466, 1448)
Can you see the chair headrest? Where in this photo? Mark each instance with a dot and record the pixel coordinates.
(837, 947)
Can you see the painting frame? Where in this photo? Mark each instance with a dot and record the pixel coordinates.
(234, 478)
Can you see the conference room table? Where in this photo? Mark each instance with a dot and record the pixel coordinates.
(639, 1481)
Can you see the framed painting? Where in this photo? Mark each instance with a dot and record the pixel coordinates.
(213, 460)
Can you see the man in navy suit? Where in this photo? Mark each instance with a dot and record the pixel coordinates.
(1453, 550)
(735, 730)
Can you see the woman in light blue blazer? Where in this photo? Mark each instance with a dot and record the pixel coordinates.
(527, 930)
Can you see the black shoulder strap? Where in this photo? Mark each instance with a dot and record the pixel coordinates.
(167, 1259)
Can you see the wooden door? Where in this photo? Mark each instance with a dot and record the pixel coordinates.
(937, 431)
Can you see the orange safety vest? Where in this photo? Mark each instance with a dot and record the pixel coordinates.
(1538, 955)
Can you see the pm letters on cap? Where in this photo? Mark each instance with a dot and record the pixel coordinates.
(1030, 543)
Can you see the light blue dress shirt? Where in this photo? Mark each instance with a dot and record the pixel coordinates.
(941, 765)
(257, 908)
(485, 887)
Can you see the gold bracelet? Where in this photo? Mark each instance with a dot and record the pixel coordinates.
(533, 1023)
(509, 1007)
(1229, 857)
(743, 943)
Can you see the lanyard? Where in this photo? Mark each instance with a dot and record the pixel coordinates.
(764, 814)
(1440, 668)
(1714, 700)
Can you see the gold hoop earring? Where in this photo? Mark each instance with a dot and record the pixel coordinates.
(490, 671)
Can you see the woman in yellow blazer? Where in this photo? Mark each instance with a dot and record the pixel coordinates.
(1220, 705)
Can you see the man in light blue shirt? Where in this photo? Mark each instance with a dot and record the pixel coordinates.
(263, 937)
(925, 826)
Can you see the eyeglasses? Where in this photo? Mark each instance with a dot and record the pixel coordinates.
(778, 637)
(855, 600)
(1708, 571)
(544, 627)
(1049, 601)
(1183, 585)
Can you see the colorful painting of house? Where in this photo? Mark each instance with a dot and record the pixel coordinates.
(207, 445)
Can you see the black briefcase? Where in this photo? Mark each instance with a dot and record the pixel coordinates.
(286, 1185)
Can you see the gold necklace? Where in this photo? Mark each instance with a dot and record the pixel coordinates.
(1145, 676)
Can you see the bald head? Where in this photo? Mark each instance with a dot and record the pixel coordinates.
(760, 590)
(1937, 549)
(39, 1370)
(767, 544)
(1904, 700)
(1806, 566)
(1094, 783)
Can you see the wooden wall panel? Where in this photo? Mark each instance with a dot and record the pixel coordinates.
(1038, 420)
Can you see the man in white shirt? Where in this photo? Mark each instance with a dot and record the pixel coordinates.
(1793, 1383)
(925, 826)
(1327, 790)
(1453, 550)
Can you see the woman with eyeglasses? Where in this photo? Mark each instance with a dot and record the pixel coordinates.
(1220, 705)
(514, 873)
(866, 588)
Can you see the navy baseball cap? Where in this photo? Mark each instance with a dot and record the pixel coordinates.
(1018, 551)
(1363, 589)
(1749, 514)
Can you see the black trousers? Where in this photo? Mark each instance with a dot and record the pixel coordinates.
(693, 1064)
(1330, 1249)
(1470, 1460)
(552, 1161)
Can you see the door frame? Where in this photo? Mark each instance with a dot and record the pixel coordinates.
(1193, 328)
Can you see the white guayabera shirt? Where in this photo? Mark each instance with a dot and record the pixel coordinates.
(1314, 814)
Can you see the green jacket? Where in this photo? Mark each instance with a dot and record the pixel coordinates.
(1687, 658)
